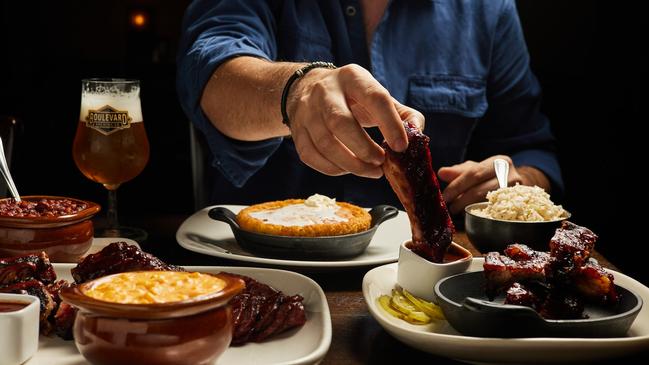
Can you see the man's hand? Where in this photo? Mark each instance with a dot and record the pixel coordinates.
(470, 181)
(328, 110)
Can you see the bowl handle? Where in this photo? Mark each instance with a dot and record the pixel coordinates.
(382, 213)
(224, 215)
(487, 307)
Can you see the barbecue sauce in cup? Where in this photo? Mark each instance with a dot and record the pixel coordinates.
(11, 306)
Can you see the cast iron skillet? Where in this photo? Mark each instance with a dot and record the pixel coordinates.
(466, 307)
(306, 248)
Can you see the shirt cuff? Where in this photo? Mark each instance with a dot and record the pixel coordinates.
(546, 162)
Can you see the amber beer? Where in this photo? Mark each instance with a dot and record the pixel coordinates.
(110, 146)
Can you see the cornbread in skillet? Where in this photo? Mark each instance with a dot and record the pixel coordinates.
(314, 217)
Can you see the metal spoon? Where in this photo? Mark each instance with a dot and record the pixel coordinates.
(4, 168)
(502, 171)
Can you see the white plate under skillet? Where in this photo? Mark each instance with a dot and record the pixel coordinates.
(440, 338)
(200, 233)
(305, 345)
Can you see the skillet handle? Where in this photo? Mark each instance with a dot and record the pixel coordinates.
(487, 307)
(224, 215)
(382, 213)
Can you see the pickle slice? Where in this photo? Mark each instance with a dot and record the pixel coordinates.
(417, 317)
(384, 301)
(403, 305)
(429, 308)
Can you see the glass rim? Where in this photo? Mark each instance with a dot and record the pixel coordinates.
(110, 80)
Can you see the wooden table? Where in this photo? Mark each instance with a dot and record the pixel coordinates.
(357, 337)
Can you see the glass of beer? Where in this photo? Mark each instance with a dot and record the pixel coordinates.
(111, 146)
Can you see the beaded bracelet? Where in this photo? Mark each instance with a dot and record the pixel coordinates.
(296, 75)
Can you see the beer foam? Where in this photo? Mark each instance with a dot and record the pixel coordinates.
(124, 102)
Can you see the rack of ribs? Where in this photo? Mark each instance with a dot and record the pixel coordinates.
(411, 176)
(555, 283)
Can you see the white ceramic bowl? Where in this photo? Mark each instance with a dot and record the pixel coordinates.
(19, 329)
(419, 276)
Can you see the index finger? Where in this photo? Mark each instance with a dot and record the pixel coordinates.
(378, 103)
(473, 176)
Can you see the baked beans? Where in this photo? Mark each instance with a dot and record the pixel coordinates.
(40, 208)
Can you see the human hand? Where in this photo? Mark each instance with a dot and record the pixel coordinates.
(470, 181)
(328, 110)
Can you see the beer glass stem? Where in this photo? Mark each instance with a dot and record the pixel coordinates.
(111, 215)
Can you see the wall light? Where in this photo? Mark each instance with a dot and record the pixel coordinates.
(139, 19)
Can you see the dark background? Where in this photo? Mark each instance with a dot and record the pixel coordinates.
(590, 57)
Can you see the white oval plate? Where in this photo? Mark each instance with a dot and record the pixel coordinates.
(440, 338)
(305, 345)
(200, 233)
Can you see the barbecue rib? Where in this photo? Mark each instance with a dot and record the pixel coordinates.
(116, 258)
(22, 268)
(411, 175)
(570, 247)
(518, 294)
(260, 311)
(502, 271)
(593, 282)
(63, 320)
(554, 283)
(62, 317)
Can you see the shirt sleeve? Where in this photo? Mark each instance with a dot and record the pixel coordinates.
(513, 123)
(214, 31)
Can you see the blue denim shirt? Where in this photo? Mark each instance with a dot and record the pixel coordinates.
(463, 64)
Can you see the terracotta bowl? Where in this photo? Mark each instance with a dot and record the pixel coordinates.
(64, 238)
(195, 331)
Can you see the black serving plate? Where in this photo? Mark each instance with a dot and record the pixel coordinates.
(466, 307)
(305, 248)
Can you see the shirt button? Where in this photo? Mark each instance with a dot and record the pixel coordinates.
(350, 10)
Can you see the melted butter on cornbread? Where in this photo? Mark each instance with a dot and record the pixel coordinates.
(148, 287)
(317, 209)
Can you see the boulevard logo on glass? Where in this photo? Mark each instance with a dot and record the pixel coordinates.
(107, 120)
